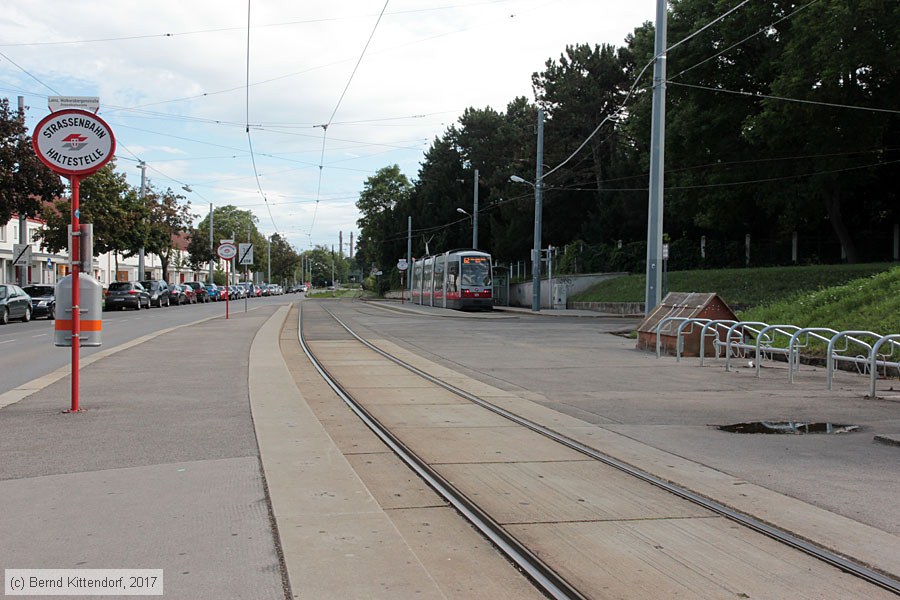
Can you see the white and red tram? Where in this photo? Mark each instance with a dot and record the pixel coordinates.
(459, 279)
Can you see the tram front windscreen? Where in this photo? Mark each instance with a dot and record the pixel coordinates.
(476, 271)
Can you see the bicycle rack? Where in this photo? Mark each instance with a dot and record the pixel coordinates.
(764, 337)
(794, 346)
(679, 341)
(716, 326)
(849, 336)
(894, 341)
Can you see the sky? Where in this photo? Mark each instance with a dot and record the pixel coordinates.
(386, 78)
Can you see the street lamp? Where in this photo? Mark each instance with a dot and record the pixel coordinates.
(463, 211)
(536, 252)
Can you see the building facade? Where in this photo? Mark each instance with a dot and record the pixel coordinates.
(48, 267)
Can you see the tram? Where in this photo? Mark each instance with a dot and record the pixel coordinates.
(459, 279)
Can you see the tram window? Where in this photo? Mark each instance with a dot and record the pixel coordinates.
(452, 276)
(439, 274)
(427, 275)
(476, 272)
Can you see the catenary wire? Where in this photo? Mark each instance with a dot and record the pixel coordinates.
(334, 112)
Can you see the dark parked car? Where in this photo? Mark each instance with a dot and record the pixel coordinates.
(126, 294)
(190, 293)
(158, 290)
(177, 295)
(14, 303)
(43, 300)
(199, 290)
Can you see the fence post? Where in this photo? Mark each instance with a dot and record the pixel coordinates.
(703, 247)
(794, 247)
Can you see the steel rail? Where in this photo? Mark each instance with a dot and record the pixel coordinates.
(844, 564)
(550, 582)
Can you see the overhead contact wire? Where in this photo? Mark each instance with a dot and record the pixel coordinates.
(334, 112)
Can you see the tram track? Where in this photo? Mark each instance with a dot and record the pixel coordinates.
(543, 574)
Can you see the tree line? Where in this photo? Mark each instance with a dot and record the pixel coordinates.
(782, 120)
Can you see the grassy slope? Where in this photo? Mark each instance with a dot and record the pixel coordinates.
(745, 287)
(865, 297)
(870, 303)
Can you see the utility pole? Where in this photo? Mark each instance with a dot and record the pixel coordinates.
(269, 258)
(538, 185)
(657, 164)
(143, 167)
(23, 220)
(409, 240)
(475, 215)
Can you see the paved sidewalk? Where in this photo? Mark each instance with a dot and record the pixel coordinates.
(161, 471)
(205, 461)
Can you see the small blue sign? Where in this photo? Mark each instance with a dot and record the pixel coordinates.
(49, 262)
(78, 213)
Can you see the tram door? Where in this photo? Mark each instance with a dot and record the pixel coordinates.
(440, 297)
(428, 282)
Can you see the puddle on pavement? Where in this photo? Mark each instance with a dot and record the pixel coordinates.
(792, 427)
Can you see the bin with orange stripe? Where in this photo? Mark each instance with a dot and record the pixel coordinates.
(90, 313)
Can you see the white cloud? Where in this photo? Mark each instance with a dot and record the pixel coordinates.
(182, 96)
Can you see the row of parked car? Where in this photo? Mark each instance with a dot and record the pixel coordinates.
(144, 294)
(38, 300)
(25, 303)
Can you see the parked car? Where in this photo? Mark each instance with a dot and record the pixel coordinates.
(223, 292)
(158, 290)
(212, 291)
(177, 295)
(190, 295)
(246, 289)
(127, 294)
(43, 300)
(199, 290)
(14, 303)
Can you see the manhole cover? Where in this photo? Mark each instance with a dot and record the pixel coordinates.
(794, 427)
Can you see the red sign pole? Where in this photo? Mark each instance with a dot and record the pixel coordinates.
(75, 259)
(227, 287)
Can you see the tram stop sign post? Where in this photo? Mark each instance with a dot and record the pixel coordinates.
(74, 143)
(227, 251)
(402, 266)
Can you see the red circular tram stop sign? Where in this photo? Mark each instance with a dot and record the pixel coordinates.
(73, 142)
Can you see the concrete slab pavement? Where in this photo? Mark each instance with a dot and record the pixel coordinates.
(160, 472)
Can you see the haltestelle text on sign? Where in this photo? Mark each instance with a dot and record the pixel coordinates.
(74, 142)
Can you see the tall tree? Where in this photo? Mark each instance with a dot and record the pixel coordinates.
(838, 60)
(24, 180)
(165, 219)
(284, 258)
(382, 237)
(229, 222)
(108, 203)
